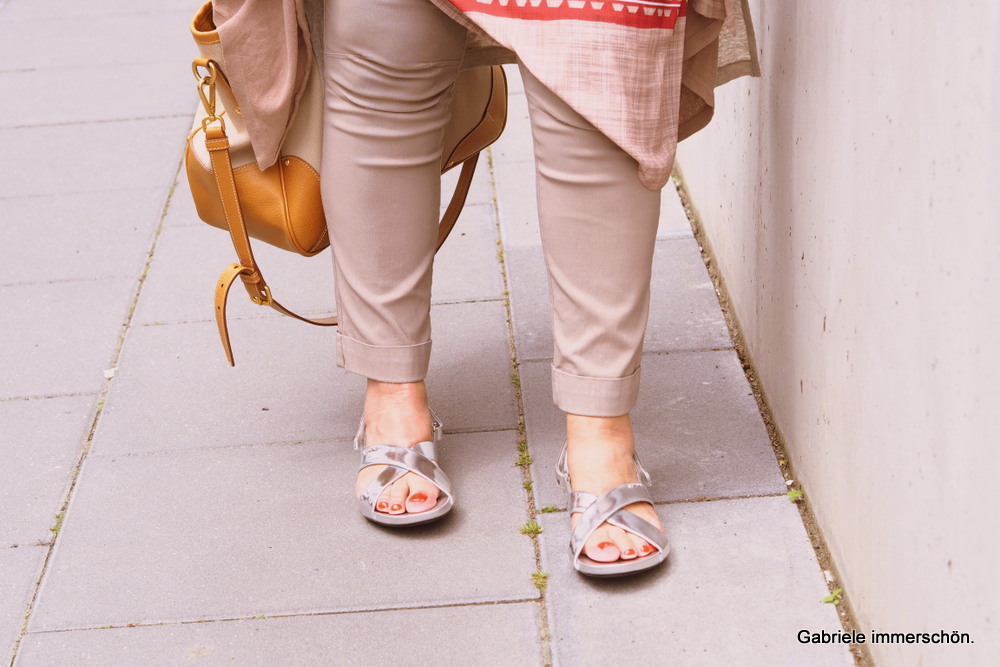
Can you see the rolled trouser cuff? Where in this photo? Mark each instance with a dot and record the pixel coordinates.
(593, 396)
(385, 363)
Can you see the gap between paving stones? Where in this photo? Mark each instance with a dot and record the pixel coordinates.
(101, 121)
(98, 410)
(11, 399)
(687, 501)
(61, 281)
(524, 457)
(270, 313)
(279, 443)
(308, 614)
(860, 652)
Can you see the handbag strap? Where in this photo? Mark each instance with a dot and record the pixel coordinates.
(247, 270)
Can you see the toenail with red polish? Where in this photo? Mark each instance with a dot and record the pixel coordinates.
(382, 505)
(628, 552)
(605, 545)
(419, 498)
(646, 548)
(396, 507)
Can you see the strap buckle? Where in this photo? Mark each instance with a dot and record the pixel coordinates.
(206, 91)
(258, 290)
(259, 293)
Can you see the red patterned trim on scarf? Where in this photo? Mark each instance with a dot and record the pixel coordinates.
(661, 14)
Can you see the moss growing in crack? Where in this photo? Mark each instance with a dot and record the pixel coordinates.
(524, 459)
(528, 485)
(522, 446)
(549, 509)
(540, 579)
(531, 528)
(515, 380)
(58, 524)
(794, 495)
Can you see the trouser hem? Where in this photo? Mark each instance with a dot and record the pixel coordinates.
(385, 363)
(592, 396)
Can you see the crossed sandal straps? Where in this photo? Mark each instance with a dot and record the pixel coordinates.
(608, 508)
(420, 459)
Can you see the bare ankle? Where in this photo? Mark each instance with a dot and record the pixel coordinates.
(608, 431)
(397, 413)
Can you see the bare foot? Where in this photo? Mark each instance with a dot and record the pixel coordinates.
(397, 414)
(600, 458)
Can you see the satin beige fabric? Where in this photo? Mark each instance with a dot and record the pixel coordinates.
(266, 45)
(388, 90)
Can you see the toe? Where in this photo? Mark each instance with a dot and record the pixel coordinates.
(422, 495)
(397, 496)
(623, 542)
(645, 548)
(365, 476)
(382, 504)
(601, 547)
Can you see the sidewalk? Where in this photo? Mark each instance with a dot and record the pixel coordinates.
(160, 507)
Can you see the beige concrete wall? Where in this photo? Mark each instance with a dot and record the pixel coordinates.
(850, 197)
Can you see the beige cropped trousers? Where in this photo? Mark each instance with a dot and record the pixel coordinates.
(390, 66)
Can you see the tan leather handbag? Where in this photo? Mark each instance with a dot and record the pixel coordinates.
(281, 205)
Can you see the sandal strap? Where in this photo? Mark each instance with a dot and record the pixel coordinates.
(402, 460)
(635, 524)
(607, 507)
(436, 425)
(562, 468)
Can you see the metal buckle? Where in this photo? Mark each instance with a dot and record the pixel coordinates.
(263, 296)
(206, 91)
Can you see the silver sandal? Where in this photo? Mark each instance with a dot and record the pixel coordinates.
(420, 459)
(607, 508)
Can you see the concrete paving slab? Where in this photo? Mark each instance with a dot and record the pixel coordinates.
(530, 302)
(271, 530)
(59, 338)
(146, 154)
(180, 285)
(32, 10)
(181, 212)
(40, 440)
(515, 144)
(466, 268)
(175, 390)
(673, 219)
(740, 582)
(46, 42)
(181, 280)
(684, 309)
(697, 426)
(48, 96)
(20, 567)
(464, 635)
(78, 236)
(481, 190)
(517, 206)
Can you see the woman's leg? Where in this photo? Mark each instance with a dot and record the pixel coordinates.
(390, 66)
(598, 227)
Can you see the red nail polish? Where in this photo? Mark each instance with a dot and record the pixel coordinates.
(382, 506)
(605, 545)
(629, 552)
(396, 507)
(646, 548)
(419, 498)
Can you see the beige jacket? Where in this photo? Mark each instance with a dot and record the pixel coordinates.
(653, 87)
